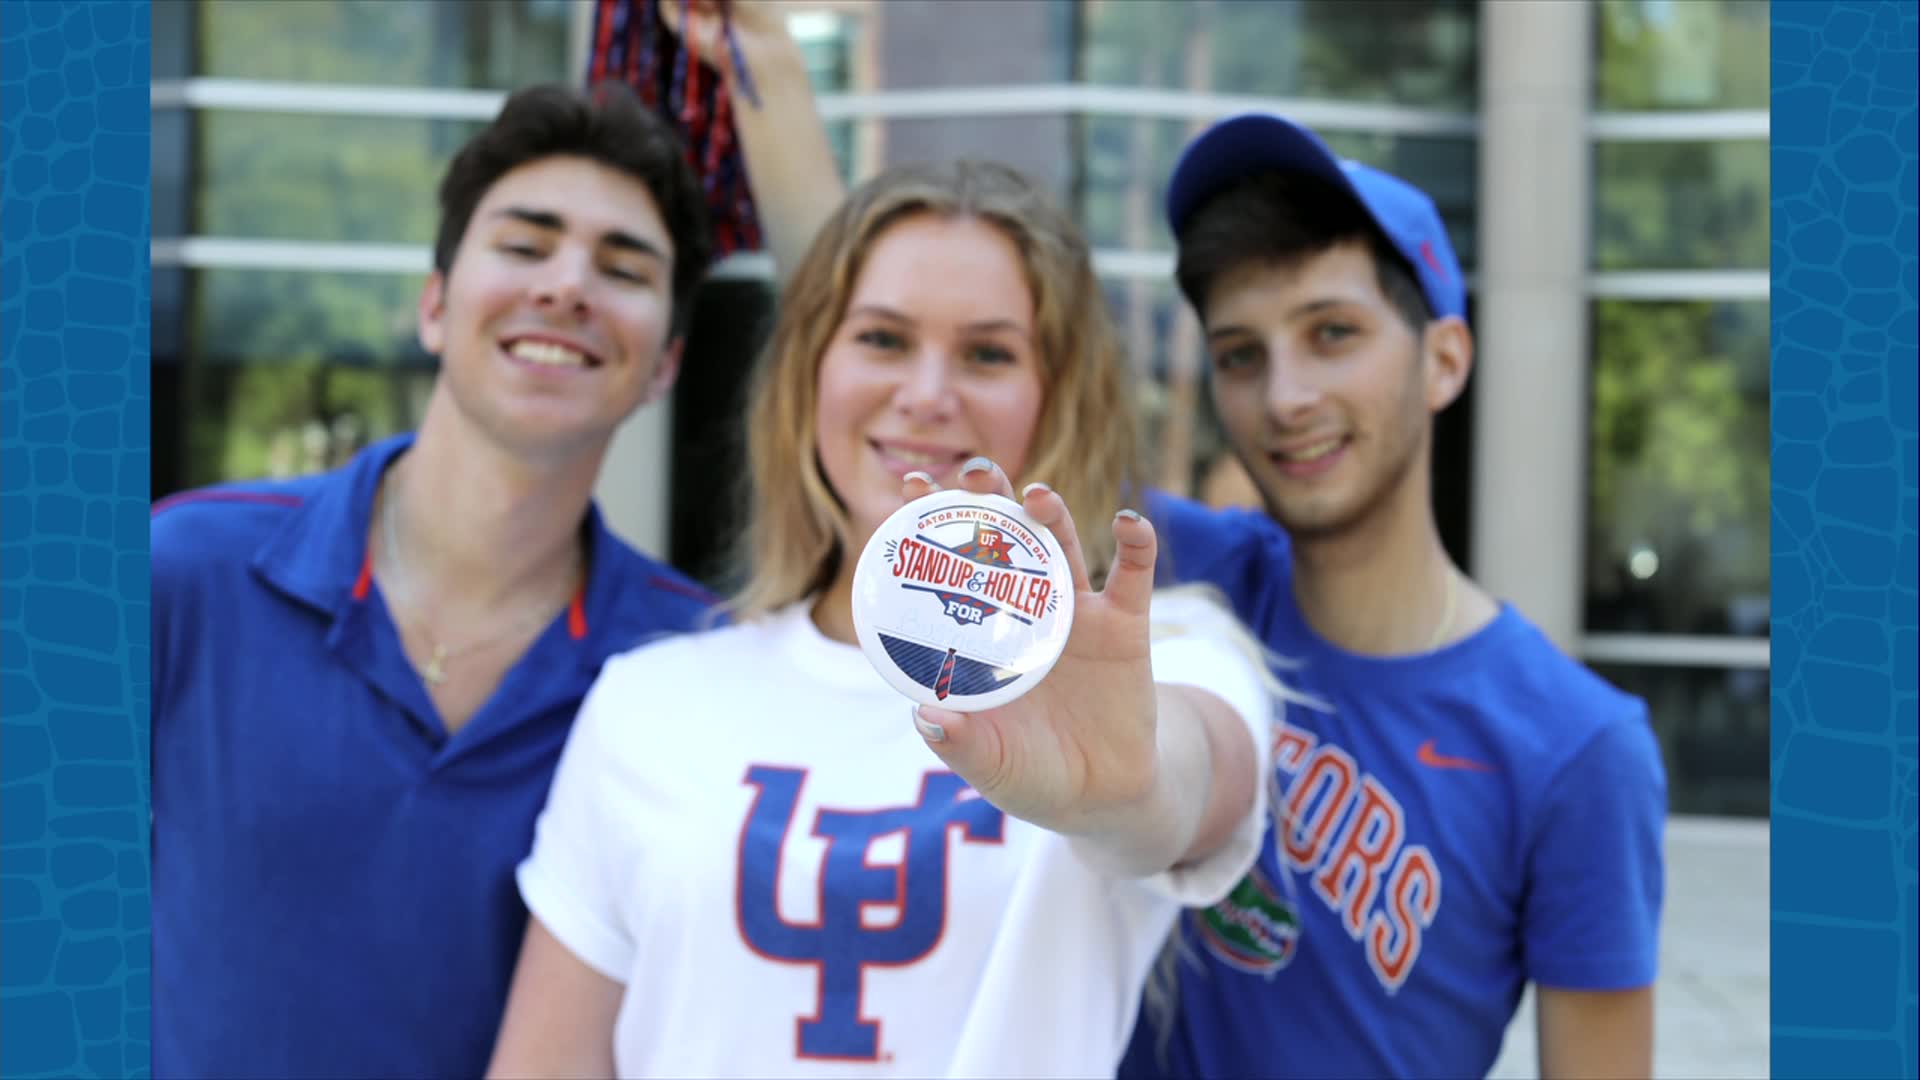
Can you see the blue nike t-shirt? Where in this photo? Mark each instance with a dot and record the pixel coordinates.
(1449, 827)
(333, 890)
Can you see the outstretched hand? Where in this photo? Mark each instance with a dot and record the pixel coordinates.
(1080, 747)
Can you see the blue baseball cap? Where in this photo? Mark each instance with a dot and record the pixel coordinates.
(1251, 143)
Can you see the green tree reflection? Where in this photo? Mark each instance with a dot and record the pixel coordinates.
(1678, 471)
(293, 369)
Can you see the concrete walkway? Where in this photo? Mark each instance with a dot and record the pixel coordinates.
(1713, 999)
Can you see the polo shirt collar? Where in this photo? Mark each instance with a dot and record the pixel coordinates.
(321, 555)
(318, 555)
(319, 558)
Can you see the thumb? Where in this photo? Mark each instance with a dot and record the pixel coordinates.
(968, 742)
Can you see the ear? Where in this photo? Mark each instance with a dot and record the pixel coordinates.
(433, 310)
(1448, 345)
(667, 370)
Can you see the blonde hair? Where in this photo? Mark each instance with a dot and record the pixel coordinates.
(1084, 443)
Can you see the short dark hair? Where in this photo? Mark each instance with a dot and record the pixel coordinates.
(612, 127)
(1283, 217)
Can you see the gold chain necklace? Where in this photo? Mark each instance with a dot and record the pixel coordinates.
(435, 672)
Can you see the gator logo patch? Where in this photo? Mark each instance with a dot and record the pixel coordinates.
(1255, 929)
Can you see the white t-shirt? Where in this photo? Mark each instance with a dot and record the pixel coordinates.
(747, 831)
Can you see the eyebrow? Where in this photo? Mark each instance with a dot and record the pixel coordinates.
(984, 326)
(1298, 310)
(550, 221)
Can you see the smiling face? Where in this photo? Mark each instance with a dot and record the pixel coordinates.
(933, 363)
(1324, 389)
(552, 321)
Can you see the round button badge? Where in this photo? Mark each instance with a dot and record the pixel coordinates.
(962, 600)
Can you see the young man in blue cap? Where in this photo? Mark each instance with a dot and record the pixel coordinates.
(362, 681)
(1471, 810)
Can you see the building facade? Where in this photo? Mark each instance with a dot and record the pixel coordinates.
(1603, 168)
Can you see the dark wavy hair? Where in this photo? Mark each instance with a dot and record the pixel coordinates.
(613, 127)
(1283, 218)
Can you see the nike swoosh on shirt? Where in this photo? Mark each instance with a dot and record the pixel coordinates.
(1434, 759)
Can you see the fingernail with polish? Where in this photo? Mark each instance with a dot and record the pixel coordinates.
(918, 475)
(974, 465)
(1130, 515)
(929, 730)
(1033, 487)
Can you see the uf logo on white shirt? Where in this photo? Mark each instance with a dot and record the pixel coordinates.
(839, 943)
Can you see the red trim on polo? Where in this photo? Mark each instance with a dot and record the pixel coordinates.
(577, 612)
(365, 581)
(265, 498)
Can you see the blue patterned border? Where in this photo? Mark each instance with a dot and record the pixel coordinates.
(1844, 471)
(74, 411)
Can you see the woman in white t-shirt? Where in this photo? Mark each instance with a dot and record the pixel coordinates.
(757, 859)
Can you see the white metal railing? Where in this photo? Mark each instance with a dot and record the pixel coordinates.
(1733, 285)
(236, 253)
(239, 253)
(1702, 126)
(319, 256)
(259, 95)
(256, 95)
(1676, 650)
(227, 253)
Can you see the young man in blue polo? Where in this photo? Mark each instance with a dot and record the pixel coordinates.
(362, 680)
(1469, 810)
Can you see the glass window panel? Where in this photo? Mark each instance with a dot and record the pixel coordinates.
(934, 43)
(329, 178)
(1182, 447)
(282, 316)
(829, 42)
(1127, 162)
(1038, 146)
(1681, 54)
(1713, 730)
(171, 25)
(293, 371)
(373, 179)
(478, 44)
(1681, 206)
(832, 45)
(1385, 51)
(1677, 513)
(248, 421)
(855, 47)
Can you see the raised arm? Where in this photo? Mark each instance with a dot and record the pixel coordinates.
(796, 184)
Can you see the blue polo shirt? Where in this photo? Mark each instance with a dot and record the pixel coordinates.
(333, 890)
